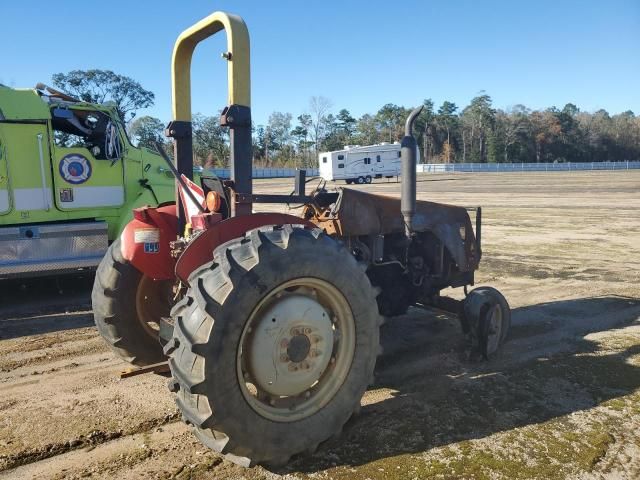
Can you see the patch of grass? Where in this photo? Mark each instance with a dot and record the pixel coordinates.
(540, 452)
(629, 404)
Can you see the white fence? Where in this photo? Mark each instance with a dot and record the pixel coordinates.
(525, 167)
(266, 172)
(459, 167)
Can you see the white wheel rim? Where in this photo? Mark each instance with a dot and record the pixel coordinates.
(296, 349)
(494, 328)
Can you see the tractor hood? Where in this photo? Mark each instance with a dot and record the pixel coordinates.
(357, 213)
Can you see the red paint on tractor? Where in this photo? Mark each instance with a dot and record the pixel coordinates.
(200, 250)
(145, 241)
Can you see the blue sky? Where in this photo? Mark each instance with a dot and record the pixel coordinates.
(359, 54)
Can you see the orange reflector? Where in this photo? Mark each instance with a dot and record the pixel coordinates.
(213, 201)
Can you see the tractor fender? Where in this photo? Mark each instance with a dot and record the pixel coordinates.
(145, 240)
(145, 198)
(200, 250)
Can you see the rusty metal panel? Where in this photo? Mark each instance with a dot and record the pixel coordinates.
(358, 213)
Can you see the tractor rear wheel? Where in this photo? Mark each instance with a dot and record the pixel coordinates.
(274, 344)
(127, 307)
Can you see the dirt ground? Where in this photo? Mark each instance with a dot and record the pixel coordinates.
(562, 400)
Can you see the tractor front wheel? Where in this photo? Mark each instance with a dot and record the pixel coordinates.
(489, 315)
(127, 307)
(274, 344)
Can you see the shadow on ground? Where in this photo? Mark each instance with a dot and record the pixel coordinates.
(44, 305)
(429, 397)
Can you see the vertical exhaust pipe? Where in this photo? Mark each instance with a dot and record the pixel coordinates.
(408, 153)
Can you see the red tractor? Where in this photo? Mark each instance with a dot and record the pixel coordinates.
(270, 322)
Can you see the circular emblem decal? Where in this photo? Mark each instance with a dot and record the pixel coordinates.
(75, 168)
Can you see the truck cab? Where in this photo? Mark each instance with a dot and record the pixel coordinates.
(69, 177)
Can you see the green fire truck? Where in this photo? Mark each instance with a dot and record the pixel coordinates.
(69, 179)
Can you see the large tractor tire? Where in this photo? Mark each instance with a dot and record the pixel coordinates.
(127, 307)
(274, 344)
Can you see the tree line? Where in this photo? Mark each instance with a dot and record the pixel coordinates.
(477, 132)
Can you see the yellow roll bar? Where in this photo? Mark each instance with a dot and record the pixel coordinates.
(237, 55)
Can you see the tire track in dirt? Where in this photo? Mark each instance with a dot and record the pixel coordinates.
(94, 438)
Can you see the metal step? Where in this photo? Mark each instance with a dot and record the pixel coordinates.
(29, 250)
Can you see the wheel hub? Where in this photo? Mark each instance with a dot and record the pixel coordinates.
(290, 346)
(299, 348)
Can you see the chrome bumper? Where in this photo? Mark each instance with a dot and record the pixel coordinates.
(30, 250)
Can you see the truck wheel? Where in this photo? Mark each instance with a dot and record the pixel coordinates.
(367, 179)
(490, 317)
(360, 180)
(127, 307)
(349, 181)
(274, 344)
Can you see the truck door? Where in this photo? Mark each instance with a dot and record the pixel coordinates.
(26, 177)
(88, 171)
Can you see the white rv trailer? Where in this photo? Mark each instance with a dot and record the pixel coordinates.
(356, 164)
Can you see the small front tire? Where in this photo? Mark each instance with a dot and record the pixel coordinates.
(489, 317)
